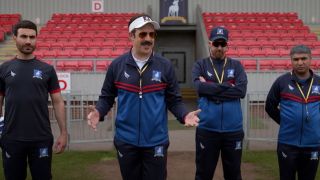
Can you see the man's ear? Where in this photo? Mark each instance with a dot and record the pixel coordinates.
(131, 35)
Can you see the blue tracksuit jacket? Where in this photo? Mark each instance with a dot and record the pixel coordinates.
(296, 127)
(141, 119)
(220, 103)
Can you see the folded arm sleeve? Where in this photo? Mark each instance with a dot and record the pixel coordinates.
(221, 91)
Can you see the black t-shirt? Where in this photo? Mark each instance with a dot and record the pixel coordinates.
(25, 85)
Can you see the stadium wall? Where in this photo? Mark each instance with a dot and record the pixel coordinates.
(308, 9)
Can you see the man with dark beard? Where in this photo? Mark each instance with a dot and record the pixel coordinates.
(220, 83)
(146, 87)
(24, 86)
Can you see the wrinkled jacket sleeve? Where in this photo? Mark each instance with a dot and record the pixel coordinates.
(173, 96)
(272, 102)
(108, 93)
(222, 91)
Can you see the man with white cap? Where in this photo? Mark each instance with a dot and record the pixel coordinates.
(146, 86)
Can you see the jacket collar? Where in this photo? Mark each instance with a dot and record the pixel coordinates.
(296, 79)
(130, 60)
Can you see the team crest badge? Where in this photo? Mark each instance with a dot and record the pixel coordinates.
(13, 74)
(314, 155)
(230, 73)
(238, 145)
(220, 31)
(43, 152)
(158, 151)
(315, 89)
(37, 74)
(156, 76)
(290, 87)
(126, 75)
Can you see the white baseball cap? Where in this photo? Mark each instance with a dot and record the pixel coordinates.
(141, 21)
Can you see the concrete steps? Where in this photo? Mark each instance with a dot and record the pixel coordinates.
(188, 93)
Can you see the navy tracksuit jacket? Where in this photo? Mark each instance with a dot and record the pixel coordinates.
(299, 121)
(141, 119)
(220, 103)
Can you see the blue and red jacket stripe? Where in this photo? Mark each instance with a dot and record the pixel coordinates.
(299, 120)
(141, 121)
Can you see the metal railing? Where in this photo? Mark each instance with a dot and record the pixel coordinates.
(258, 126)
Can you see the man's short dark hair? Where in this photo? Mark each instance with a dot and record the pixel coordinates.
(24, 24)
(300, 49)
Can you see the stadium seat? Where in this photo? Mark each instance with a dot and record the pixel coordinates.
(104, 53)
(117, 52)
(95, 45)
(281, 64)
(265, 65)
(272, 53)
(249, 64)
(38, 54)
(108, 44)
(63, 54)
(85, 65)
(43, 45)
(102, 65)
(57, 46)
(49, 54)
(76, 54)
(71, 65)
(90, 53)
(82, 45)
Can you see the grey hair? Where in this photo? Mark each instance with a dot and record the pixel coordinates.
(300, 49)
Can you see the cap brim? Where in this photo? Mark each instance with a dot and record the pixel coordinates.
(154, 23)
(219, 37)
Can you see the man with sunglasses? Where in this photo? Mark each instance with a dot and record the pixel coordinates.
(293, 102)
(146, 86)
(220, 82)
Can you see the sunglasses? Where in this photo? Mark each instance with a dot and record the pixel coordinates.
(142, 35)
(217, 44)
(302, 58)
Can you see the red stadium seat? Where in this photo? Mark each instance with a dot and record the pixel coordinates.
(69, 45)
(85, 65)
(102, 65)
(63, 54)
(108, 44)
(49, 54)
(71, 65)
(249, 64)
(281, 64)
(60, 65)
(56, 46)
(265, 65)
(104, 53)
(95, 45)
(76, 54)
(90, 54)
(117, 52)
(43, 45)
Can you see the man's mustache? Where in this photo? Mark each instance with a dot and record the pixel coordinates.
(146, 43)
